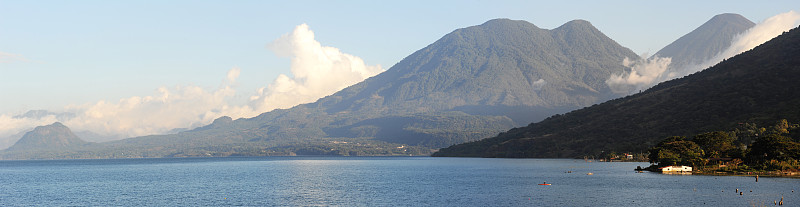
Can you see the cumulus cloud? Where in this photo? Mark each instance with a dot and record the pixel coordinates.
(233, 74)
(647, 73)
(643, 74)
(317, 71)
(167, 109)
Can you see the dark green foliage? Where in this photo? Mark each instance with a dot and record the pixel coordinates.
(773, 147)
(676, 151)
(758, 86)
(770, 151)
(716, 144)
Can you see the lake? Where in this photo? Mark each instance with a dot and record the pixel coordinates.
(371, 181)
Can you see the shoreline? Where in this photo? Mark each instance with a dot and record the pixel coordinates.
(790, 174)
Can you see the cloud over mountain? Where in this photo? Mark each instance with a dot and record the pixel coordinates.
(169, 108)
(647, 73)
(643, 74)
(317, 71)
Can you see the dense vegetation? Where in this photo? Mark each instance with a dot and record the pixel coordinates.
(747, 148)
(758, 86)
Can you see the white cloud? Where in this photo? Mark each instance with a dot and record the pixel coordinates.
(167, 109)
(178, 107)
(538, 84)
(11, 127)
(755, 36)
(9, 57)
(317, 71)
(647, 73)
(644, 74)
(233, 74)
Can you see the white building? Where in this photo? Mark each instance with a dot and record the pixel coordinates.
(674, 169)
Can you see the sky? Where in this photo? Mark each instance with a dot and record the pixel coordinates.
(118, 65)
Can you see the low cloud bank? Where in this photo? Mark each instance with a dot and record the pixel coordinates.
(316, 71)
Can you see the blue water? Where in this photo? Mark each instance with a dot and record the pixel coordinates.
(371, 181)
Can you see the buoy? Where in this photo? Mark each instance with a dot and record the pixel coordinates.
(756, 178)
(737, 190)
(740, 193)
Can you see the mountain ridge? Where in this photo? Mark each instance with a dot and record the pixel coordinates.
(705, 41)
(755, 86)
(472, 83)
(55, 136)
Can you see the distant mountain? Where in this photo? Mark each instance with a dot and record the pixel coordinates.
(758, 86)
(54, 137)
(7, 141)
(706, 41)
(90, 136)
(499, 63)
(39, 114)
(472, 83)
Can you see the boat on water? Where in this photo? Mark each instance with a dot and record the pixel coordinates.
(545, 183)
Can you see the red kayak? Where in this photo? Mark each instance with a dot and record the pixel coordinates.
(545, 184)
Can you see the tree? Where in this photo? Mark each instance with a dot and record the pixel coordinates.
(716, 144)
(774, 147)
(782, 127)
(676, 150)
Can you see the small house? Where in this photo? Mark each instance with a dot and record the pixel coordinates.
(675, 169)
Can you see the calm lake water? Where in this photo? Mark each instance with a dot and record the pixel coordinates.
(371, 181)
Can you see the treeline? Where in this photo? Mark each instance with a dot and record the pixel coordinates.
(746, 148)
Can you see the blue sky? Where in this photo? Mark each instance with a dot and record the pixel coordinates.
(131, 68)
(84, 51)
